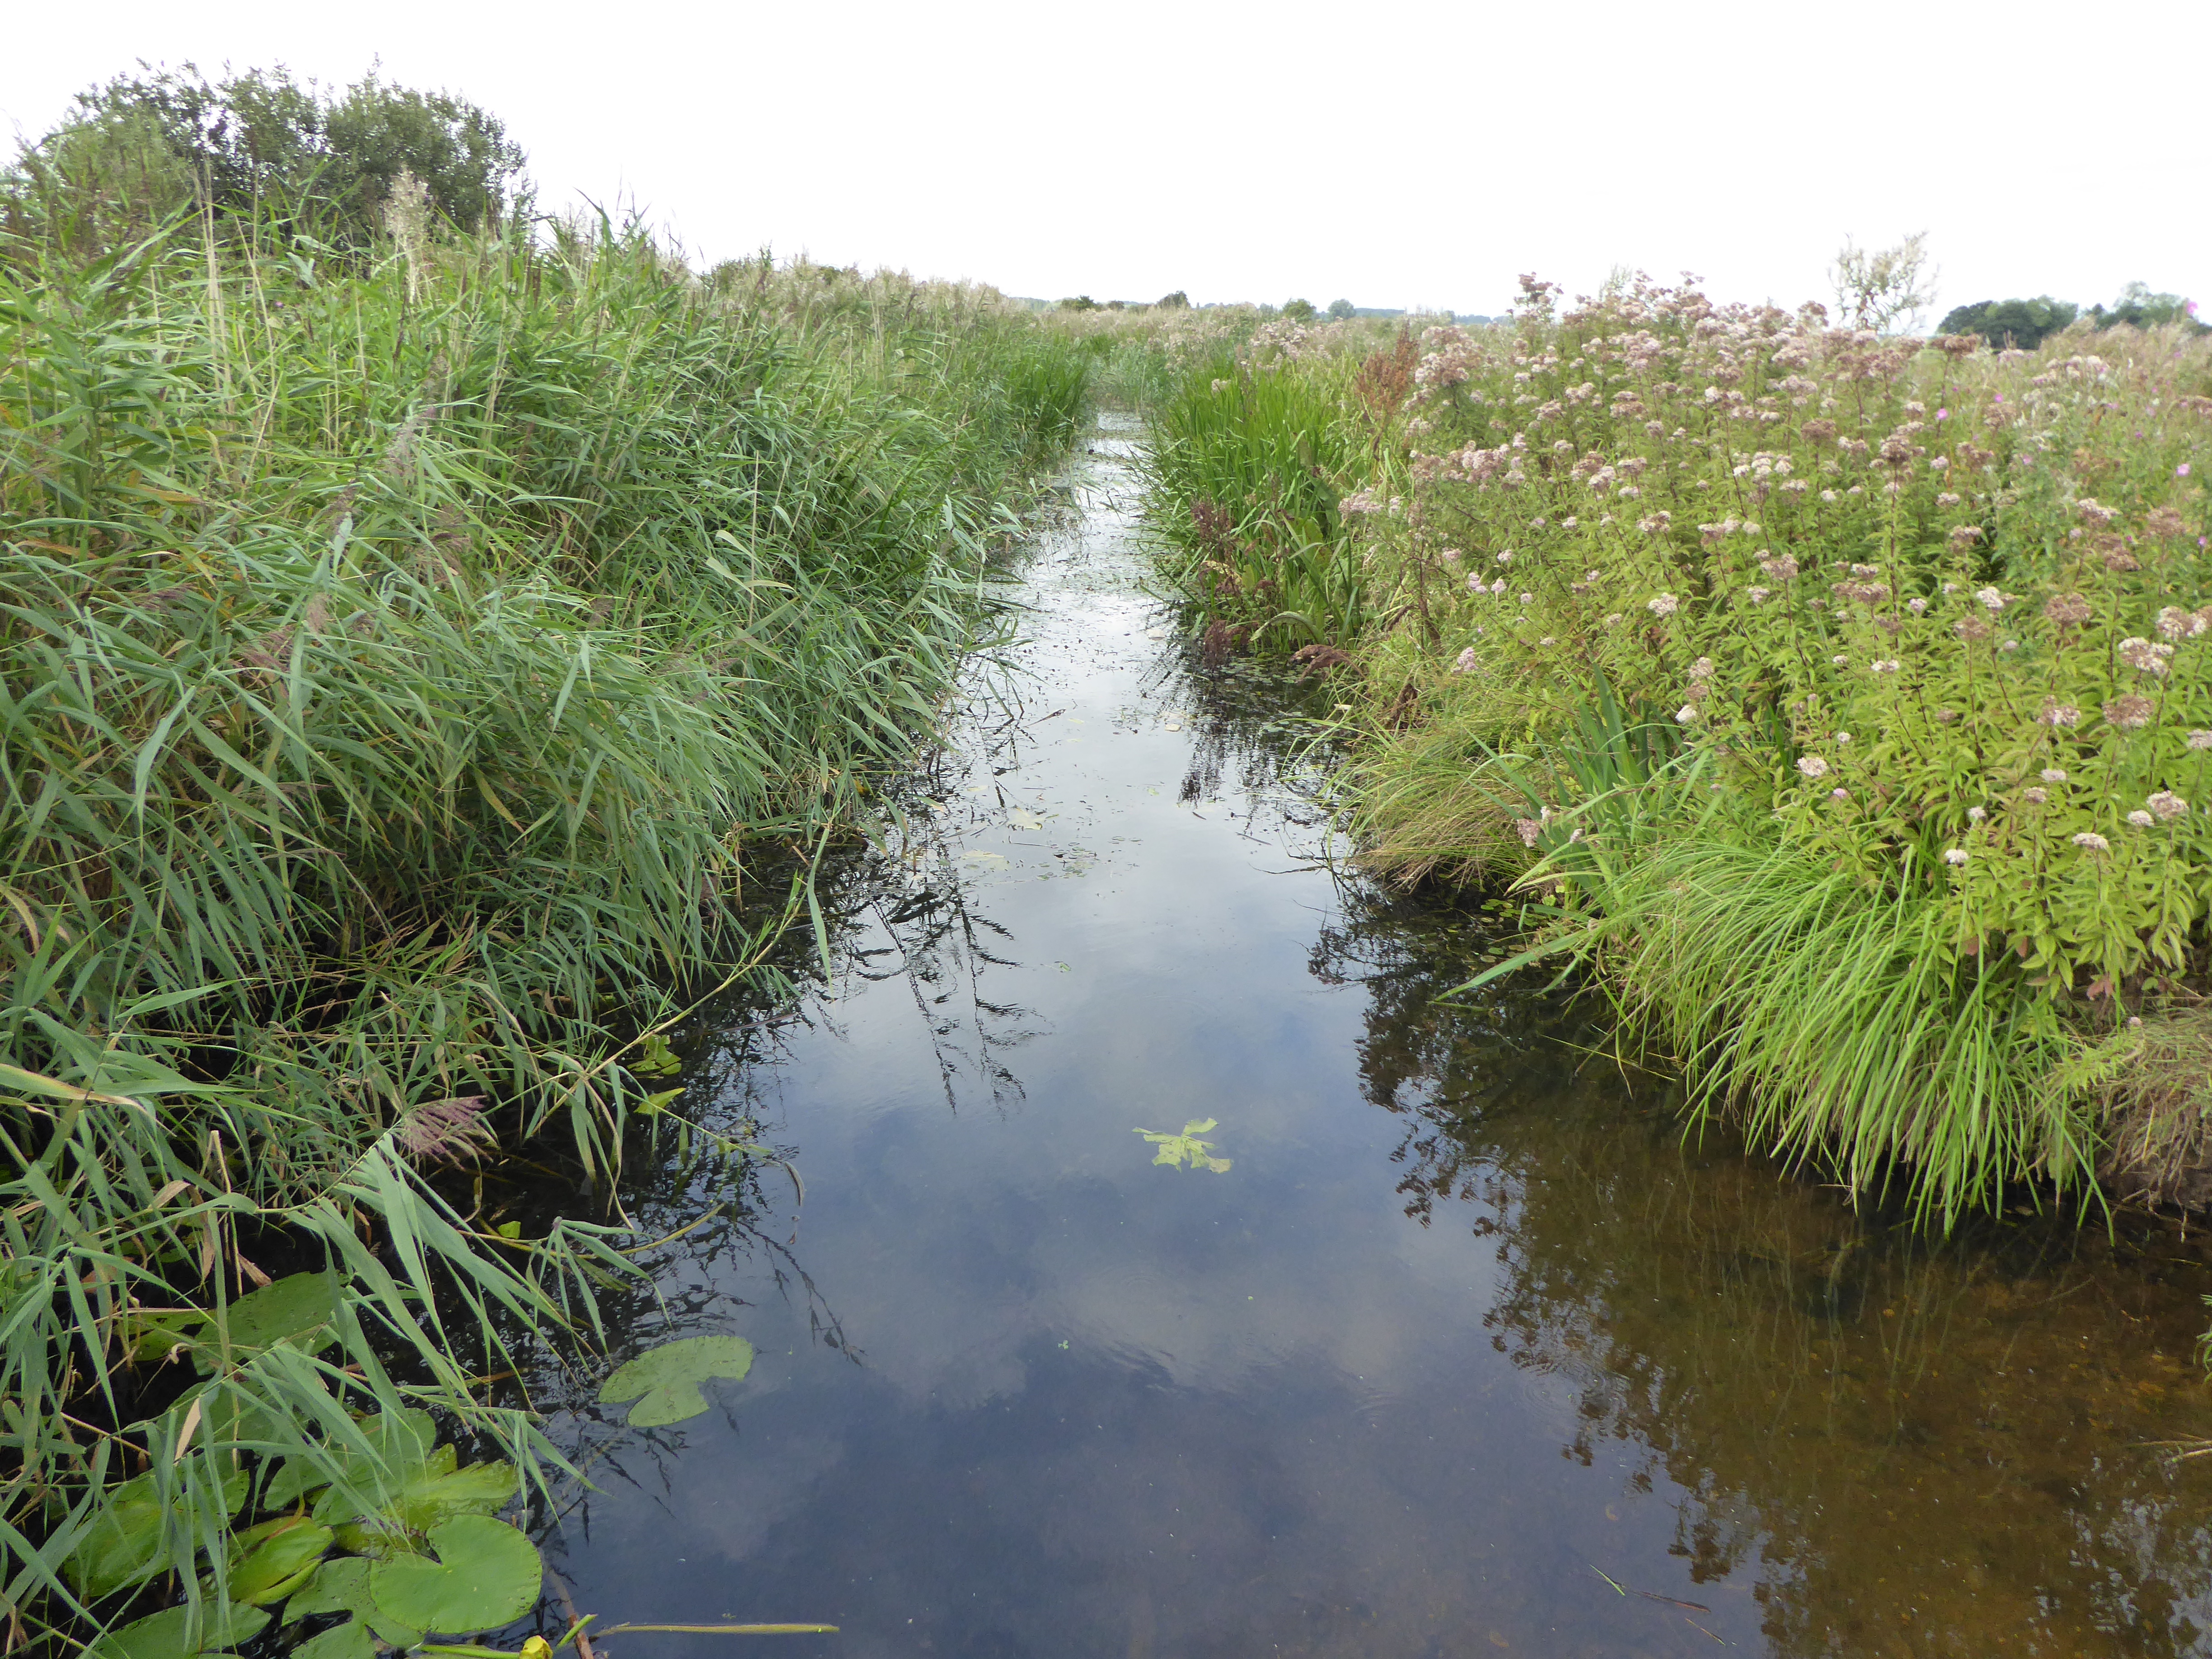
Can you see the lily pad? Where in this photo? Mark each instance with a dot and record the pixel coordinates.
(279, 1564)
(1175, 1150)
(436, 1491)
(299, 1309)
(341, 1585)
(164, 1635)
(154, 1337)
(665, 1381)
(127, 1540)
(487, 1574)
(350, 1640)
(401, 1442)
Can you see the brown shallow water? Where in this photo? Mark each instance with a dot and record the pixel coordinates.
(1466, 1352)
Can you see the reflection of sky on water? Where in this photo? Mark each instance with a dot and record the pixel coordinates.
(1407, 1380)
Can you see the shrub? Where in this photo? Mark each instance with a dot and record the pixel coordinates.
(2024, 323)
(2139, 307)
(139, 148)
(1241, 468)
(1928, 615)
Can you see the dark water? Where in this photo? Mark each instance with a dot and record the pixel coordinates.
(1464, 1353)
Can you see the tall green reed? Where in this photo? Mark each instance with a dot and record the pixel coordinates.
(1244, 474)
(403, 660)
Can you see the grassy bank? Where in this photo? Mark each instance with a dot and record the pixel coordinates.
(409, 641)
(1841, 701)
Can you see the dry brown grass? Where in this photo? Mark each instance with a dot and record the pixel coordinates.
(2158, 1112)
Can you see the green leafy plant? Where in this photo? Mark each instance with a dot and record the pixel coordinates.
(1841, 701)
(176, 1633)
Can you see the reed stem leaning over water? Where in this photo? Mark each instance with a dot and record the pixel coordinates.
(405, 648)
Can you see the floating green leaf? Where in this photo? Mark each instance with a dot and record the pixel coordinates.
(486, 1575)
(272, 1569)
(125, 1541)
(300, 1310)
(165, 1635)
(654, 1104)
(154, 1337)
(402, 1442)
(350, 1640)
(1175, 1150)
(433, 1493)
(342, 1586)
(665, 1381)
(655, 1057)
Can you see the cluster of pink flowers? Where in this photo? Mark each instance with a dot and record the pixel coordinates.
(1653, 442)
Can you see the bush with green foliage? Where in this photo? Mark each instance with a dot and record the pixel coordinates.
(144, 147)
(2139, 307)
(2021, 323)
(2026, 324)
(1243, 471)
(1914, 644)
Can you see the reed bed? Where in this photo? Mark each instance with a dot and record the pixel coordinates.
(408, 655)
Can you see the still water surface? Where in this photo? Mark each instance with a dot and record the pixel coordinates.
(1464, 1352)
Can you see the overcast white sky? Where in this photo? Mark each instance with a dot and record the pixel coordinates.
(1391, 154)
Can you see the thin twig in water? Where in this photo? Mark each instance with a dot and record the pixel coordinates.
(576, 1620)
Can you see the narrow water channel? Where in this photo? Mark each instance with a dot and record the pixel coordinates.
(1461, 1351)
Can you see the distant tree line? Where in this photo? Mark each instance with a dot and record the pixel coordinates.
(145, 147)
(1176, 301)
(2026, 324)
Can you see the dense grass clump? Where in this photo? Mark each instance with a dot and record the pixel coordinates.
(1907, 643)
(404, 652)
(1251, 441)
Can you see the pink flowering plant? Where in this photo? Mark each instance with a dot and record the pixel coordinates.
(1925, 617)
(1942, 573)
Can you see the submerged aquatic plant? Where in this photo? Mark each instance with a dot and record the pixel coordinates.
(1187, 1151)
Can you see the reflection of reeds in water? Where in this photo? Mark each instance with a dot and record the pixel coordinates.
(1904, 1439)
